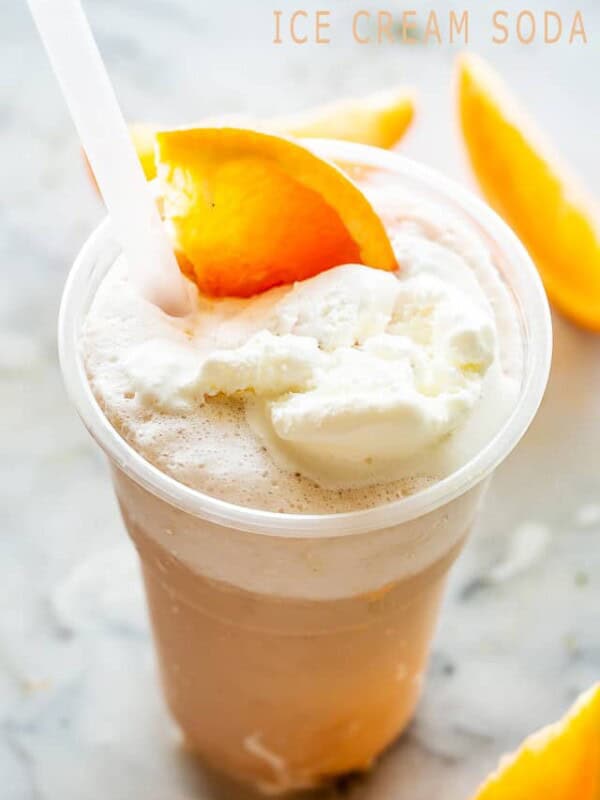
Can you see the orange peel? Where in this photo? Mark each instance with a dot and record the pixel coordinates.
(526, 183)
(559, 762)
(249, 210)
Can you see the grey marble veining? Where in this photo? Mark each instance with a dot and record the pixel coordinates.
(80, 713)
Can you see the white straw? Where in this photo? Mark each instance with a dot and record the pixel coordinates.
(86, 86)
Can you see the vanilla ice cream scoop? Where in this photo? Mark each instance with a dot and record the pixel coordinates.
(344, 376)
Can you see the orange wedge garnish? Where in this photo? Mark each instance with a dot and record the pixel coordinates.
(560, 762)
(523, 180)
(249, 211)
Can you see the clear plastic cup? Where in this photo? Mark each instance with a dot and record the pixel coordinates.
(292, 647)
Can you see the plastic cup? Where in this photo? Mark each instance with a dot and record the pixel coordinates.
(292, 647)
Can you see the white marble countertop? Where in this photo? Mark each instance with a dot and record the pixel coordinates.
(80, 713)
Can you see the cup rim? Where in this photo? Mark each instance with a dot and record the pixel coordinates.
(537, 357)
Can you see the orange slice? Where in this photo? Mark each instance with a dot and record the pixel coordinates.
(524, 181)
(249, 211)
(560, 762)
(381, 120)
(144, 141)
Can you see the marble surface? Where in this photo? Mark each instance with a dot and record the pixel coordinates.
(80, 713)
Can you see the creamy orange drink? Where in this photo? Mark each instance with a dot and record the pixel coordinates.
(299, 460)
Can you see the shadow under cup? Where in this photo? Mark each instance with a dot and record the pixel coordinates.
(292, 647)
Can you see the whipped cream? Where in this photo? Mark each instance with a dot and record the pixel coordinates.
(349, 374)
